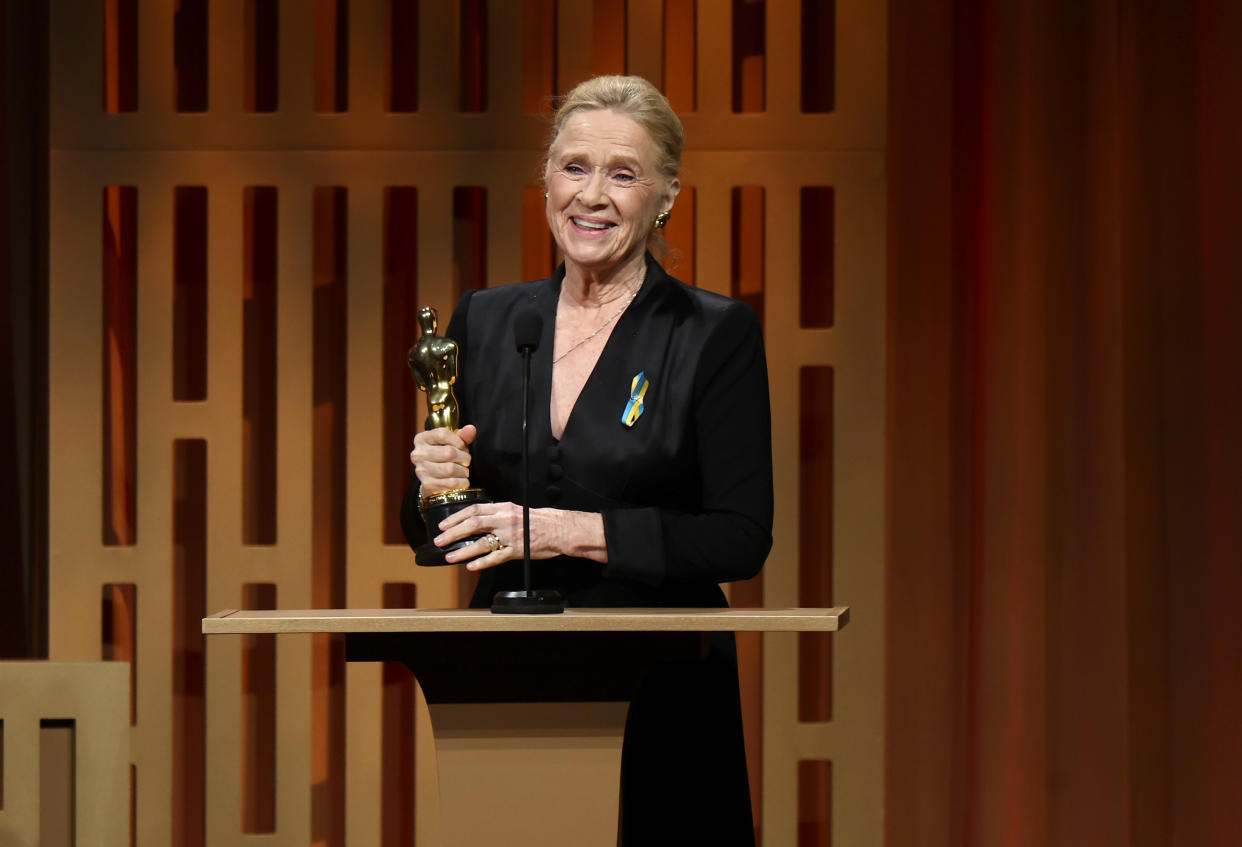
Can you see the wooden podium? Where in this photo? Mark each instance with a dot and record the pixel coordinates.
(527, 711)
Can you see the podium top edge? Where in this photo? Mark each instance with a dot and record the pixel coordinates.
(237, 622)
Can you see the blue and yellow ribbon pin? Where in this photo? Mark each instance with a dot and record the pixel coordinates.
(634, 408)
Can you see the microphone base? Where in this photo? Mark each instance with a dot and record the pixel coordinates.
(538, 602)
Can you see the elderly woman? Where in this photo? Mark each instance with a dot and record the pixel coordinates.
(651, 476)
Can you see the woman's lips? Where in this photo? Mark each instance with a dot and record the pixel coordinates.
(590, 224)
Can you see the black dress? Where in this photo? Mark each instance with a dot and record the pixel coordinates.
(686, 498)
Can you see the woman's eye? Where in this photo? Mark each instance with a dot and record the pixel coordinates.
(623, 176)
(574, 170)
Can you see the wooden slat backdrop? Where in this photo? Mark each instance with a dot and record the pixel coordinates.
(435, 149)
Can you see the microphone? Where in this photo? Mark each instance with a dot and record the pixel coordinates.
(527, 327)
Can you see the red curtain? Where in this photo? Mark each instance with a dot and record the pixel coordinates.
(1065, 553)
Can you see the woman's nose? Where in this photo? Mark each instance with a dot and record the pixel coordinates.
(593, 191)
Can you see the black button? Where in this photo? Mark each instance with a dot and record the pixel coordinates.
(554, 453)
(555, 471)
(554, 493)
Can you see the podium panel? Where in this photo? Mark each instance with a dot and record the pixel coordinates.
(528, 712)
(533, 769)
(528, 725)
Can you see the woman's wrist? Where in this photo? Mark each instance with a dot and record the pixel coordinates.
(578, 534)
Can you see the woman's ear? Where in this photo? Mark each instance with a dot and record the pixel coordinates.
(670, 194)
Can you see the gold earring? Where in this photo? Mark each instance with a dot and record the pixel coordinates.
(662, 218)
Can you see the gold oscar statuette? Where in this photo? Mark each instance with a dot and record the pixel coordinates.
(433, 363)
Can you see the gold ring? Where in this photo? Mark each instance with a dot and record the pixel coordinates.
(493, 542)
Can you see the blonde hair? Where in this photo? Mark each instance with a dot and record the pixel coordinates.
(639, 100)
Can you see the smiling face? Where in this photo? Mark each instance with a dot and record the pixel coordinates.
(604, 191)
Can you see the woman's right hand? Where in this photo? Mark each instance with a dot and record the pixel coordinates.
(441, 458)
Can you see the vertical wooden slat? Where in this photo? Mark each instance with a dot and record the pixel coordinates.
(782, 59)
(713, 228)
(680, 234)
(120, 429)
(328, 514)
(506, 56)
(296, 75)
(815, 803)
(190, 55)
(397, 804)
(293, 562)
(119, 634)
(750, 684)
(189, 351)
(819, 52)
(259, 372)
(815, 538)
(368, 70)
(402, 81)
(469, 239)
(261, 74)
(538, 246)
(747, 285)
(608, 37)
(538, 55)
(400, 331)
(331, 74)
(714, 39)
(156, 66)
(749, 55)
(817, 240)
(227, 34)
(258, 753)
(644, 40)
(133, 806)
(472, 56)
(189, 602)
(120, 71)
(503, 229)
(437, 50)
(680, 58)
(574, 44)
(748, 246)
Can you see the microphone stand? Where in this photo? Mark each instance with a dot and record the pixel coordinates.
(525, 469)
(529, 601)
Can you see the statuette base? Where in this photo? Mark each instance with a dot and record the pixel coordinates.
(435, 508)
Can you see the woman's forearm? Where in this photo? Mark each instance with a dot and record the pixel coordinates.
(578, 534)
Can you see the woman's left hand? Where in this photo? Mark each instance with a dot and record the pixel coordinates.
(553, 532)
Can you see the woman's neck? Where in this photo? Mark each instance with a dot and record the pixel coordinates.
(591, 288)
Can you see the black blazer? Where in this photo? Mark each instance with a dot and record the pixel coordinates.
(685, 493)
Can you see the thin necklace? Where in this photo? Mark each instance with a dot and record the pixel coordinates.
(606, 323)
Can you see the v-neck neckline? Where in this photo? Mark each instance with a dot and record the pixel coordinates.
(558, 283)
